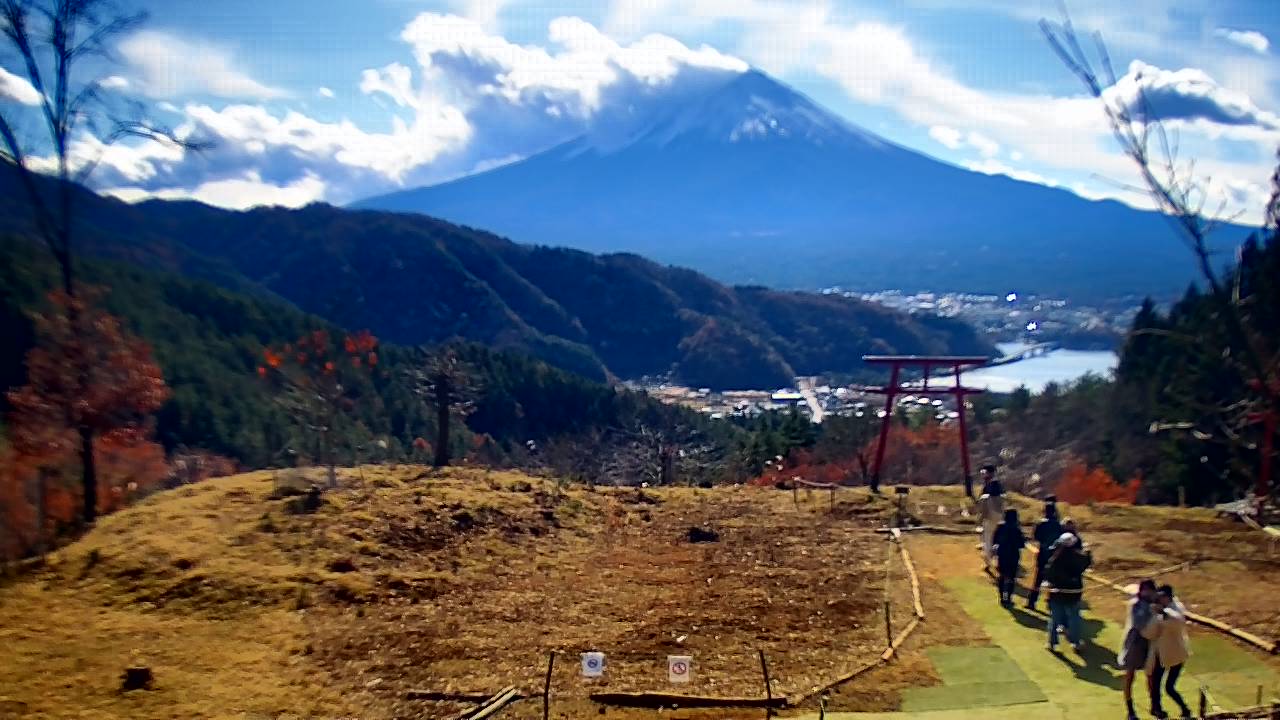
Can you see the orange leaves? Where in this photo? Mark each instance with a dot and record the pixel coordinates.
(314, 354)
(1080, 485)
(86, 371)
(40, 495)
(362, 342)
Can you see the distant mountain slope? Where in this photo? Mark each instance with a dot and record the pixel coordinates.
(208, 341)
(754, 183)
(414, 279)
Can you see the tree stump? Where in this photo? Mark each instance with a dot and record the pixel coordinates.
(136, 678)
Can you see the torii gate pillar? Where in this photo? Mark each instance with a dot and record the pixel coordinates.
(953, 365)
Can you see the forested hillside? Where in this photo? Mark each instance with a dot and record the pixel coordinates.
(412, 279)
(209, 341)
(1180, 414)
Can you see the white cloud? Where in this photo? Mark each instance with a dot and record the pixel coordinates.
(1247, 39)
(17, 89)
(114, 82)
(237, 193)
(325, 93)
(991, 166)
(1187, 94)
(950, 137)
(474, 101)
(170, 66)
(983, 144)
(955, 140)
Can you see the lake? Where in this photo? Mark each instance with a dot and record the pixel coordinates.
(1060, 366)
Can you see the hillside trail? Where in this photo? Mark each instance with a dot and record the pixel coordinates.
(993, 685)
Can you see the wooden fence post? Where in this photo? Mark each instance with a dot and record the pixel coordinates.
(546, 687)
(768, 687)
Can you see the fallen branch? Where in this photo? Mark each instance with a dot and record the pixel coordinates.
(915, 581)
(1269, 646)
(438, 696)
(493, 705)
(927, 528)
(661, 700)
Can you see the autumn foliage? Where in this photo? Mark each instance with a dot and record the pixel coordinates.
(40, 496)
(1080, 484)
(313, 377)
(90, 385)
(801, 464)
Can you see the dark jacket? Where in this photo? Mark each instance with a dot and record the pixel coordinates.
(1047, 532)
(992, 487)
(1065, 572)
(1008, 540)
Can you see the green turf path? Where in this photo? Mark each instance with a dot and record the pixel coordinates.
(983, 683)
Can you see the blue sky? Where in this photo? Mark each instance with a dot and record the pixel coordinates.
(339, 99)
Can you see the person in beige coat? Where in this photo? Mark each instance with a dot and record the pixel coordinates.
(1170, 648)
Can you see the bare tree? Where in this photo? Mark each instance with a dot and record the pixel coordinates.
(445, 382)
(1177, 192)
(49, 40)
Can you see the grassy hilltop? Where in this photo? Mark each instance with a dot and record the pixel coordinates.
(463, 580)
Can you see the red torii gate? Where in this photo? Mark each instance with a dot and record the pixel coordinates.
(953, 366)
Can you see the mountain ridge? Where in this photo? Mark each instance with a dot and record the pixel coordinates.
(754, 183)
(415, 280)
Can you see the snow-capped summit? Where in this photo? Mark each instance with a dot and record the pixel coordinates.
(747, 107)
(752, 182)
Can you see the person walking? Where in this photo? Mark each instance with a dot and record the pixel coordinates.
(1166, 631)
(990, 511)
(1007, 544)
(1064, 577)
(1135, 646)
(990, 485)
(1047, 530)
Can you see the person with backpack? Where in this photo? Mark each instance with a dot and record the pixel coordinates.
(1046, 532)
(1008, 542)
(1135, 646)
(1064, 577)
(1166, 631)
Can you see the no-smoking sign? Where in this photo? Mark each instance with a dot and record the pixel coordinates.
(592, 664)
(679, 668)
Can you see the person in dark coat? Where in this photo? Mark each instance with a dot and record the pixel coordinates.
(1008, 543)
(1064, 576)
(1045, 534)
(990, 485)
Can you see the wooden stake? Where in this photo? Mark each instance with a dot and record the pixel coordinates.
(1204, 703)
(888, 626)
(768, 687)
(546, 687)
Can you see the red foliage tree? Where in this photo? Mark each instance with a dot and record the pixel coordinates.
(1080, 485)
(87, 377)
(313, 381)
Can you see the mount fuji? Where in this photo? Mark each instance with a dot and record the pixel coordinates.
(754, 183)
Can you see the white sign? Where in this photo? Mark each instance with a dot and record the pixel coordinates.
(592, 664)
(679, 668)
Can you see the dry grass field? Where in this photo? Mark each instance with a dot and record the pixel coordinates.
(464, 581)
